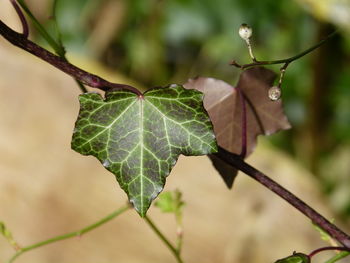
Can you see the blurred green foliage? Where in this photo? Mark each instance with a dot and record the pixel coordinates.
(171, 202)
(158, 42)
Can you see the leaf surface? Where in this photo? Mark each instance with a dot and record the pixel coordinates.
(224, 105)
(139, 138)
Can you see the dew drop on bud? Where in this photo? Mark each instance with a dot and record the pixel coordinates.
(245, 31)
(275, 93)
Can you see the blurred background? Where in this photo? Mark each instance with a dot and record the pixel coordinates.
(153, 43)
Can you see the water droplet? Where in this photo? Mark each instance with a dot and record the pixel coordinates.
(106, 163)
(275, 93)
(173, 86)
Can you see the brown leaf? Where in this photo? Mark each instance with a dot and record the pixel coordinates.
(224, 105)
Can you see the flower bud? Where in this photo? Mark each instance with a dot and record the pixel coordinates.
(275, 93)
(245, 31)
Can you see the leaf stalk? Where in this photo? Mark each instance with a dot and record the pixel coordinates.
(316, 251)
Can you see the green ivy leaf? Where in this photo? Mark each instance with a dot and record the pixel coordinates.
(139, 138)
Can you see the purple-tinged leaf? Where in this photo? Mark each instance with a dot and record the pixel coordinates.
(225, 106)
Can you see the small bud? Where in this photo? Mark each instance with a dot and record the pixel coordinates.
(245, 31)
(275, 93)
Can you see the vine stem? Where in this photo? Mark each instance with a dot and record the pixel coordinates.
(316, 251)
(175, 251)
(78, 233)
(83, 76)
(237, 162)
(285, 61)
(22, 18)
(58, 49)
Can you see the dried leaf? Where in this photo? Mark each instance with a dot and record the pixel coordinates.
(224, 105)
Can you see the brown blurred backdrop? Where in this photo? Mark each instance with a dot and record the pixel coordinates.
(46, 189)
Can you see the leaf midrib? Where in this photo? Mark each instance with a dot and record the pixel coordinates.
(141, 124)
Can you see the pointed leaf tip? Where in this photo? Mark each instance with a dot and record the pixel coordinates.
(140, 140)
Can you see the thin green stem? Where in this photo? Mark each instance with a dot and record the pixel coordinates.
(250, 49)
(175, 252)
(179, 241)
(81, 86)
(287, 60)
(8, 236)
(337, 257)
(179, 229)
(58, 32)
(72, 234)
(60, 43)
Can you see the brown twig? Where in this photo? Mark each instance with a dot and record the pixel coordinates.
(316, 251)
(22, 18)
(83, 76)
